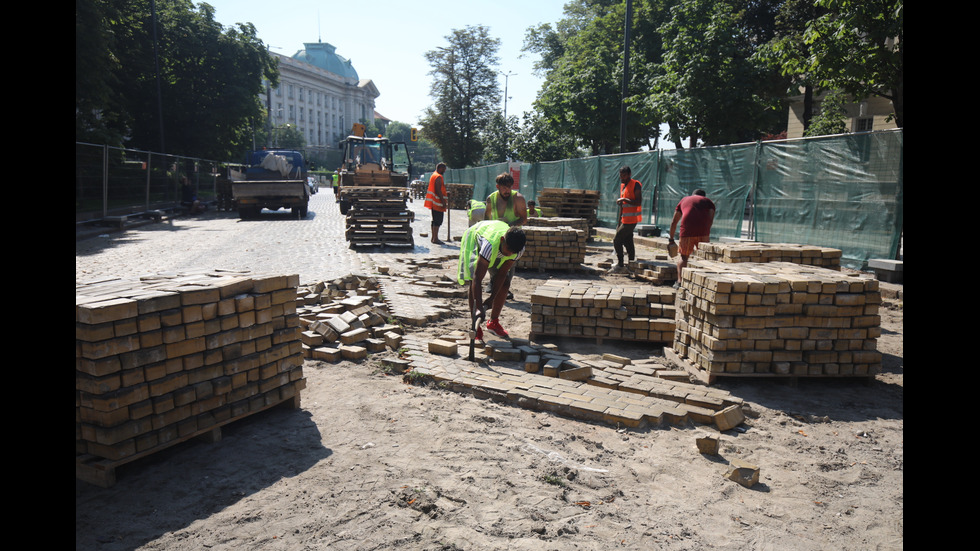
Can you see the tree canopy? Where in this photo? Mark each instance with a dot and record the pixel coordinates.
(465, 92)
(187, 86)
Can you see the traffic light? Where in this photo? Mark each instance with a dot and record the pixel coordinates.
(415, 134)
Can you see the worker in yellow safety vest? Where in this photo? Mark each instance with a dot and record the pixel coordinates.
(493, 247)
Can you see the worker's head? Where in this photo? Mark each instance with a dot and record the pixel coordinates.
(699, 191)
(513, 241)
(530, 204)
(505, 184)
(625, 174)
(441, 168)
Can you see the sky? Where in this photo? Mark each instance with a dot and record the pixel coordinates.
(386, 40)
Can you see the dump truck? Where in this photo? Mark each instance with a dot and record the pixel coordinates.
(371, 162)
(273, 179)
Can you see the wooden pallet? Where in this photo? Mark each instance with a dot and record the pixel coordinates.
(102, 472)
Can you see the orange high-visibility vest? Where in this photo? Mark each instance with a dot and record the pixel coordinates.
(631, 213)
(433, 200)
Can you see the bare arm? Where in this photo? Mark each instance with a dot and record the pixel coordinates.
(520, 207)
(673, 224)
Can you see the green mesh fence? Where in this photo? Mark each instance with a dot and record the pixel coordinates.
(844, 192)
(724, 173)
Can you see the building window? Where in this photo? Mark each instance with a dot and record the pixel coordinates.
(289, 91)
(864, 125)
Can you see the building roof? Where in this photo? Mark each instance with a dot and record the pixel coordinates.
(324, 56)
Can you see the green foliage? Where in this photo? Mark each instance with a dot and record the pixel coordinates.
(832, 118)
(582, 61)
(207, 86)
(497, 138)
(857, 47)
(538, 140)
(288, 136)
(711, 87)
(466, 93)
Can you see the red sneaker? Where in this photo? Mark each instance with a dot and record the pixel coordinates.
(494, 327)
(479, 334)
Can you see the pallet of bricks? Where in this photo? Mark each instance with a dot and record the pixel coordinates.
(459, 195)
(603, 311)
(552, 245)
(164, 359)
(379, 216)
(777, 319)
(736, 252)
(571, 203)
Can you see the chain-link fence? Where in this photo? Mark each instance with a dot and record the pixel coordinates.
(841, 191)
(111, 181)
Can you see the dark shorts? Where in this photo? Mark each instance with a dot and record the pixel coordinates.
(437, 218)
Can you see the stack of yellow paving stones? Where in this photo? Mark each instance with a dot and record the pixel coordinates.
(736, 252)
(556, 221)
(778, 319)
(659, 270)
(640, 400)
(553, 248)
(563, 308)
(164, 358)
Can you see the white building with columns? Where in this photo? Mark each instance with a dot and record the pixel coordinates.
(320, 94)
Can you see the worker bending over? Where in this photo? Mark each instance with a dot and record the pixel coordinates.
(493, 247)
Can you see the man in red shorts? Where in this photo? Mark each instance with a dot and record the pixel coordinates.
(695, 213)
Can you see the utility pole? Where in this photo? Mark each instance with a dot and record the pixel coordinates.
(626, 76)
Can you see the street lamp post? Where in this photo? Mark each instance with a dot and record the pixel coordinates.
(506, 136)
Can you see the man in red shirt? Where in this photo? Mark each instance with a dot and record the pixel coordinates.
(437, 200)
(695, 214)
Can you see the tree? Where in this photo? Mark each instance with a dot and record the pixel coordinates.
(832, 118)
(711, 87)
(204, 79)
(788, 52)
(465, 94)
(497, 138)
(582, 62)
(537, 140)
(857, 47)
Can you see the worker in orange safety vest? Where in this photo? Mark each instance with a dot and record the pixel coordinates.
(630, 198)
(437, 200)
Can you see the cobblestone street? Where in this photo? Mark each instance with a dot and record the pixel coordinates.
(314, 248)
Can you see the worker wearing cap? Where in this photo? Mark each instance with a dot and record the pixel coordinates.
(493, 247)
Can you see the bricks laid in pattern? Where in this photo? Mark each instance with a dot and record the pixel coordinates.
(778, 318)
(642, 401)
(586, 309)
(167, 357)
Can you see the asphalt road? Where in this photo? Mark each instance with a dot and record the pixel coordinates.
(276, 242)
